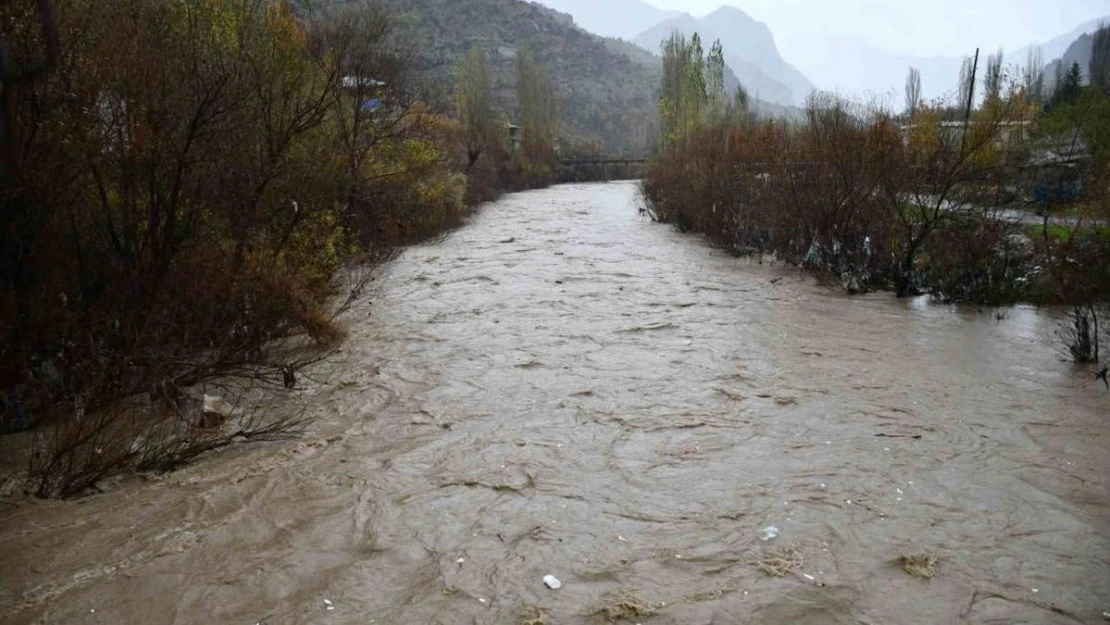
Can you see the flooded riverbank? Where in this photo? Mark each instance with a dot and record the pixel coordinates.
(564, 388)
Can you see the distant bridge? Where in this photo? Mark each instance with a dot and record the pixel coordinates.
(598, 167)
(604, 160)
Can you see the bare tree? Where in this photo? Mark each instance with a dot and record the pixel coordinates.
(967, 83)
(474, 101)
(913, 91)
(352, 44)
(992, 77)
(1033, 76)
(536, 94)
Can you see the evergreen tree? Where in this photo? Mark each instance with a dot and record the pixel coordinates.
(1069, 86)
(715, 83)
(694, 97)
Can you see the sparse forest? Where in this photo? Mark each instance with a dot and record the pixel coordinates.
(193, 192)
(922, 201)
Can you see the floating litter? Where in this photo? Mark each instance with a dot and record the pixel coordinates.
(552, 582)
(768, 533)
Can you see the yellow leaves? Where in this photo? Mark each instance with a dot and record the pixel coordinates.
(285, 27)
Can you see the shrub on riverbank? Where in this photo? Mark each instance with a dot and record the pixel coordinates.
(182, 189)
(853, 194)
(859, 196)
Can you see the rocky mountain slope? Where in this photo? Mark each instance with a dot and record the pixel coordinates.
(612, 18)
(604, 95)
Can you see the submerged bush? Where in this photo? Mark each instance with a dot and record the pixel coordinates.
(855, 196)
(184, 186)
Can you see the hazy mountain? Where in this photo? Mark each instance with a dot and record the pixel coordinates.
(750, 51)
(1078, 52)
(853, 65)
(654, 63)
(612, 18)
(1057, 47)
(755, 80)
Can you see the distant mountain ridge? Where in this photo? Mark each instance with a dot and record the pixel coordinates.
(612, 18)
(749, 48)
(853, 64)
(1057, 47)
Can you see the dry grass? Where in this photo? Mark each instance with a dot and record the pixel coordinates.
(533, 615)
(624, 605)
(74, 456)
(780, 562)
(921, 565)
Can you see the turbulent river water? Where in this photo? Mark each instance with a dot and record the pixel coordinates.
(562, 387)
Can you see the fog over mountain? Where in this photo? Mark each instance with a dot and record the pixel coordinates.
(866, 46)
(749, 48)
(854, 64)
(613, 18)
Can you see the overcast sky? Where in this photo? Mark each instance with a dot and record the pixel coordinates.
(932, 27)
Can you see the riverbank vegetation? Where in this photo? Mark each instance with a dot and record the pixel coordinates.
(930, 200)
(192, 194)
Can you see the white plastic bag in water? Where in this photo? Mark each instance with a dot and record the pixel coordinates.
(552, 582)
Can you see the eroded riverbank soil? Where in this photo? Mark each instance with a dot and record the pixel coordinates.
(564, 388)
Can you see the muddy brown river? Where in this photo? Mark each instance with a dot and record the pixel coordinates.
(564, 388)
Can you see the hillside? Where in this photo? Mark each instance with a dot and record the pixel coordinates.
(612, 18)
(750, 51)
(604, 95)
(607, 87)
